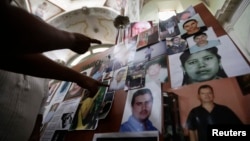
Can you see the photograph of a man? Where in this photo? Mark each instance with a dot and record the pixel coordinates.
(141, 105)
(192, 26)
(208, 113)
(118, 81)
(203, 40)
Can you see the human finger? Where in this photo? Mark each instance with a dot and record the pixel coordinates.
(95, 41)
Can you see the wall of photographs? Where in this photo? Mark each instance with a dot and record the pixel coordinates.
(154, 76)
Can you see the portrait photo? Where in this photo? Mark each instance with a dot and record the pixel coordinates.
(169, 28)
(176, 45)
(138, 27)
(225, 92)
(203, 40)
(143, 104)
(118, 80)
(156, 70)
(148, 37)
(186, 14)
(218, 62)
(191, 26)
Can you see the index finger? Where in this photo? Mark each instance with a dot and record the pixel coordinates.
(95, 41)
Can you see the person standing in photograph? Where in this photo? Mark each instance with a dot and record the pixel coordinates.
(66, 120)
(148, 53)
(118, 82)
(202, 43)
(201, 66)
(141, 104)
(208, 113)
(176, 45)
(41, 9)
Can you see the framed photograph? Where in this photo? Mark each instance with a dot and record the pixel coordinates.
(203, 40)
(44, 9)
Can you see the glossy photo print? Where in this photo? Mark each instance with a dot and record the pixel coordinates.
(224, 93)
(213, 63)
(176, 45)
(191, 26)
(203, 40)
(149, 52)
(186, 14)
(169, 28)
(143, 107)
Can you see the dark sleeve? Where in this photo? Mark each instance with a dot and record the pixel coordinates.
(231, 117)
(191, 122)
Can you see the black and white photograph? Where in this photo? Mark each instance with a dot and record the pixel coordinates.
(217, 62)
(150, 52)
(156, 70)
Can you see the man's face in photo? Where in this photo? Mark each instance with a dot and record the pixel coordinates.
(206, 95)
(191, 26)
(142, 107)
(201, 40)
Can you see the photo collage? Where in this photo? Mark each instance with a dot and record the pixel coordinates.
(183, 52)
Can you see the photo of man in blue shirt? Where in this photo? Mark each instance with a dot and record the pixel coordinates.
(141, 105)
